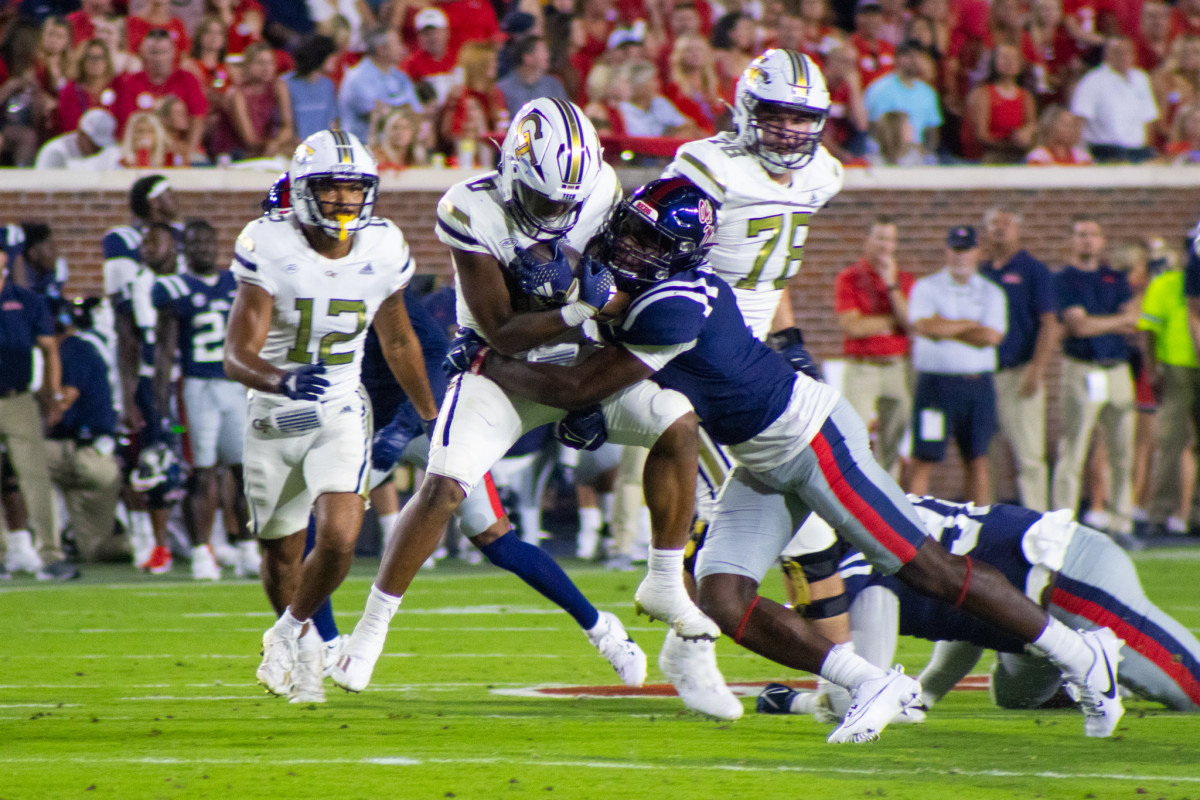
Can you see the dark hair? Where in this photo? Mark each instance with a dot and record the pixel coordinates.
(139, 195)
(722, 35)
(155, 34)
(204, 22)
(35, 233)
(374, 38)
(197, 225)
(523, 47)
(311, 53)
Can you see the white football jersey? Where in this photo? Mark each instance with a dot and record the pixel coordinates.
(761, 225)
(322, 306)
(471, 216)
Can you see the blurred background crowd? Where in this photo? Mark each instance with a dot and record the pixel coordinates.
(162, 83)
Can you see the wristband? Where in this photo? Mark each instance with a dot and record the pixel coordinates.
(577, 313)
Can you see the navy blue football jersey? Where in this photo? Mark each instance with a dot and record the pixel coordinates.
(202, 308)
(737, 384)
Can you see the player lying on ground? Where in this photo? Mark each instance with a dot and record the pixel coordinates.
(800, 449)
(1079, 575)
(552, 185)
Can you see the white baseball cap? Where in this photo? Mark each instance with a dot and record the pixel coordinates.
(431, 18)
(100, 126)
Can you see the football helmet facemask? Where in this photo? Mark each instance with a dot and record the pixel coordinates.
(665, 227)
(778, 89)
(549, 164)
(321, 161)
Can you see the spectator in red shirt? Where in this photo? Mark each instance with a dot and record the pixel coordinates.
(1152, 42)
(733, 40)
(54, 56)
(1001, 115)
(693, 87)
(208, 60)
(144, 145)
(1185, 18)
(590, 30)
(431, 61)
(1060, 64)
(607, 88)
(875, 56)
(258, 119)
(969, 60)
(894, 21)
(477, 60)
(1176, 85)
(111, 31)
(469, 21)
(870, 298)
(1060, 140)
(161, 77)
(846, 129)
(242, 20)
(157, 17)
(1082, 20)
(82, 21)
(819, 36)
(92, 86)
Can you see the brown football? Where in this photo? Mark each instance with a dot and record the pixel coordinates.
(543, 252)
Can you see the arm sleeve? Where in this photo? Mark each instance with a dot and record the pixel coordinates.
(1044, 299)
(43, 324)
(403, 260)
(844, 298)
(454, 228)
(1067, 292)
(920, 303)
(995, 314)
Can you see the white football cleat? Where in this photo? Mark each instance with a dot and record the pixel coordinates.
(670, 603)
(877, 702)
(204, 564)
(1099, 695)
(691, 667)
(333, 651)
(309, 675)
(352, 671)
(621, 651)
(279, 661)
(21, 555)
(249, 560)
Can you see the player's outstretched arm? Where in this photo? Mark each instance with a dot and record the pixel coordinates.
(402, 351)
(487, 296)
(578, 386)
(249, 324)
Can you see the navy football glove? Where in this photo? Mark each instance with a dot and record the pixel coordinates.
(305, 383)
(596, 285)
(789, 343)
(467, 348)
(550, 281)
(390, 441)
(583, 429)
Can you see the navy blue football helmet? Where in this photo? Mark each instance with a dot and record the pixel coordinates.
(279, 196)
(665, 227)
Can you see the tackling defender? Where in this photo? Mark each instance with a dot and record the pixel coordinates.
(551, 185)
(1078, 574)
(310, 281)
(800, 449)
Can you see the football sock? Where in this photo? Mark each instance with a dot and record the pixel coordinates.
(589, 519)
(1064, 648)
(288, 625)
(665, 566)
(387, 522)
(311, 640)
(534, 566)
(847, 669)
(323, 621)
(381, 605)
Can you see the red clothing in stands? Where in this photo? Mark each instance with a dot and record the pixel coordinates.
(136, 29)
(470, 21)
(860, 288)
(73, 100)
(696, 109)
(874, 58)
(136, 93)
(1007, 115)
(82, 28)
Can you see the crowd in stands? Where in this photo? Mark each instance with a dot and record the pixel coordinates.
(434, 82)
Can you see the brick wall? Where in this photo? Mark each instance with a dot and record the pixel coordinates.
(1131, 203)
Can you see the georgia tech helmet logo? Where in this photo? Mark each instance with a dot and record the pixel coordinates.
(529, 130)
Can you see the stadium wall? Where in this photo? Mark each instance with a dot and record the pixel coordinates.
(1130, 202)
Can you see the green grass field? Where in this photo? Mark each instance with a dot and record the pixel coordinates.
(122, 686)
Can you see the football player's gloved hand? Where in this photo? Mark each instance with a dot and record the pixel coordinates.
(583, 429)
(551, 281)
(596, 285)
(305, 383)
(390, 441)
(789, 343)
(466, 353)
